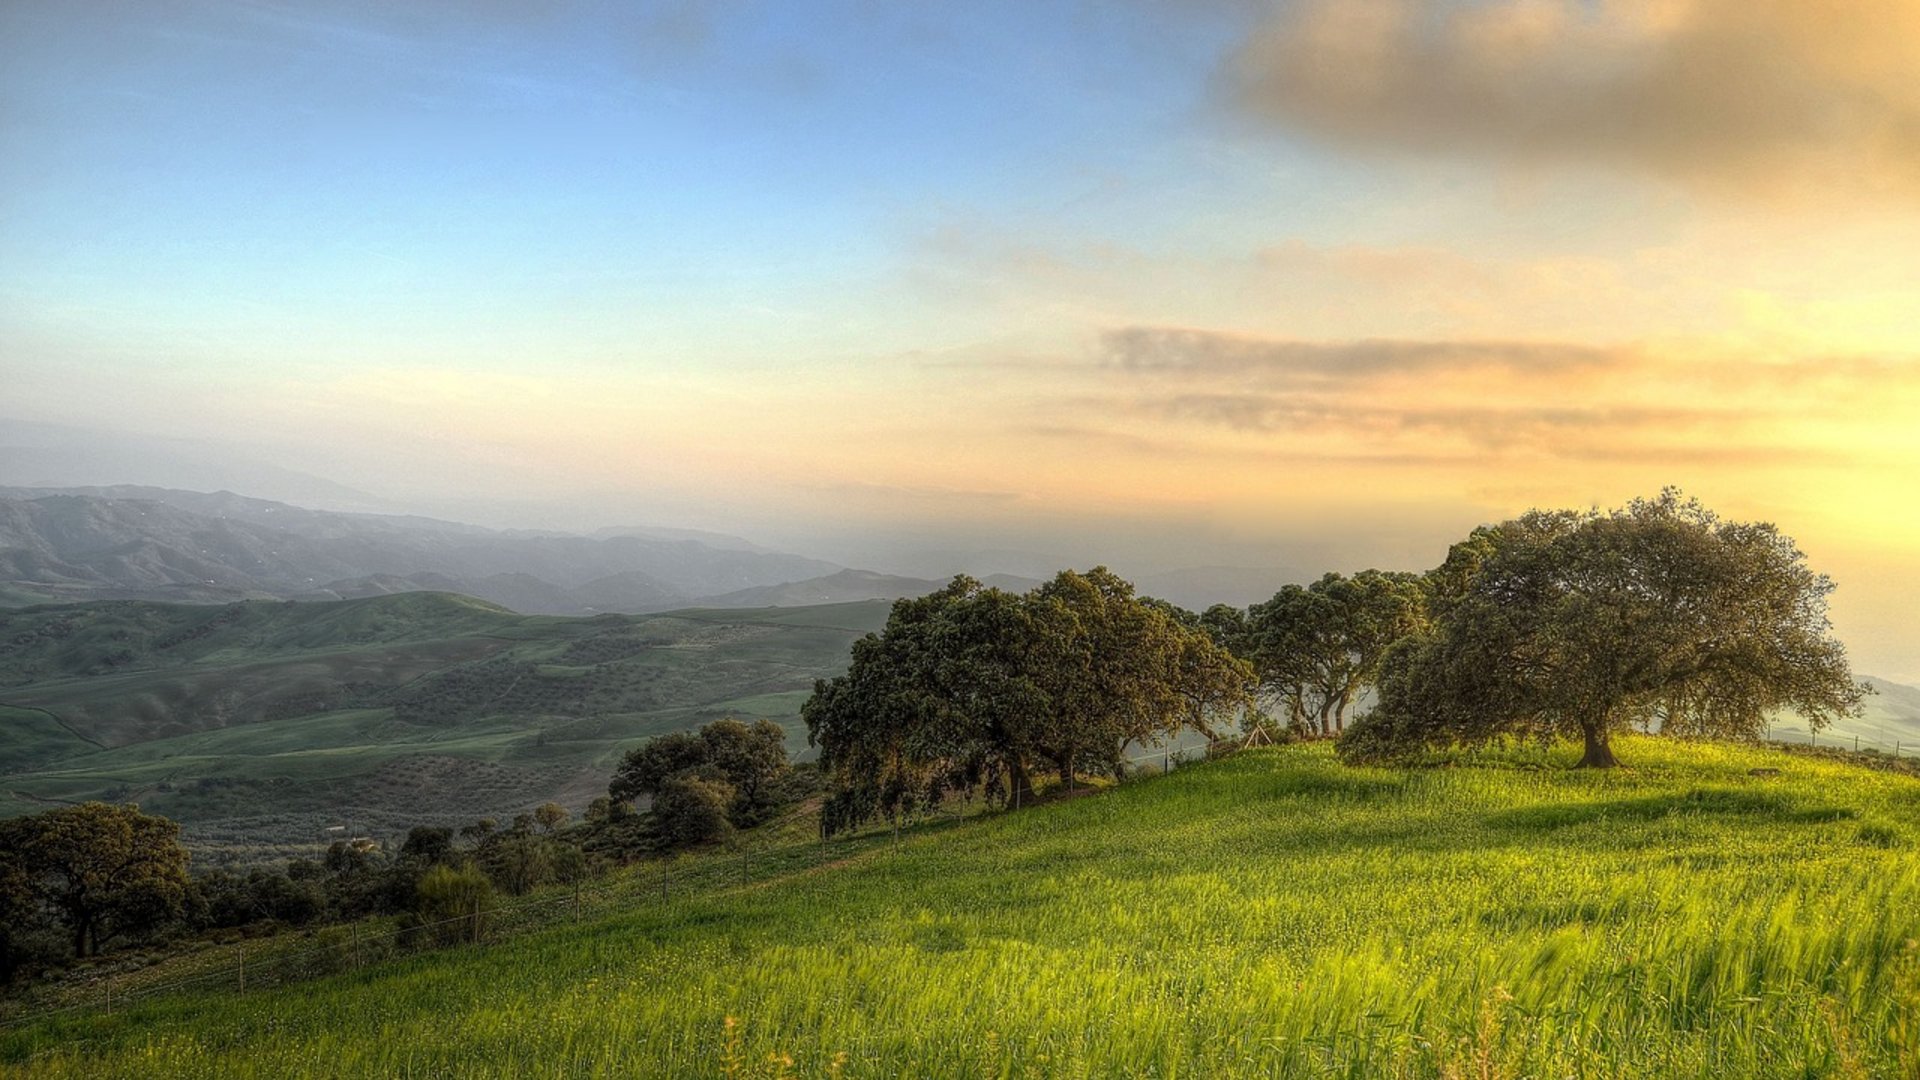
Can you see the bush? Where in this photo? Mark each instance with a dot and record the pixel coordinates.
(452, 904)
(569, 864)
(690, 810)
(518, 862)
(750, 758)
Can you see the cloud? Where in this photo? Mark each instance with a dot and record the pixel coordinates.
(1149, 349)
(1755, 95)
(1489, 404)
(919, 494)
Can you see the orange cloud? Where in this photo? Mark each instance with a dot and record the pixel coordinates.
(1755, 95)
(1489, 405)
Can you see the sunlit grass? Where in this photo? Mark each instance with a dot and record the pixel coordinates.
(1275, 914)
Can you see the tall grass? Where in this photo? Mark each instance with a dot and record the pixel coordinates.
(1274, 914)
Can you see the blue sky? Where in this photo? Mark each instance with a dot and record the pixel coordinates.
(1302, 282)
(216, 165)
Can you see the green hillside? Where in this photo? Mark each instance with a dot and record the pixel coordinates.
(1274, 914)
(260, 724)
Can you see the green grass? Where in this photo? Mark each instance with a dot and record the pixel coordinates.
(258, 724)
(1274, 915)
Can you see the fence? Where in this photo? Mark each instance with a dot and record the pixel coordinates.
(355, 946)
(1894, 746)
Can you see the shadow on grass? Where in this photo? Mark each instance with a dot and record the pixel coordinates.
(1709, 801)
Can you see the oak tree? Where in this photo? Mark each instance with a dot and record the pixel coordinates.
(1317, 647)
(1660, 615)
(106, 871)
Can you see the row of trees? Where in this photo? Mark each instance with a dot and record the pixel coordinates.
(972, 688)
(78, 880)
(1659, 616)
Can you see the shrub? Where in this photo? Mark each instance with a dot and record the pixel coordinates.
(452, 904)
(690, 810)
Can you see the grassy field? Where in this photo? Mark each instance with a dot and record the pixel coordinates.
(1274, 914)
(258, 725)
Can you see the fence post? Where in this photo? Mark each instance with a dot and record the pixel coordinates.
(243, 967)
(356, 945)
(1856, 744)
(666, 875)
(745, 875)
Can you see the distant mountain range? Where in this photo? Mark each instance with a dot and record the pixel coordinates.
(130, 542)
(847, 586)
(163, 544)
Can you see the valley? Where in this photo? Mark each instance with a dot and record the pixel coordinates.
(268, 728)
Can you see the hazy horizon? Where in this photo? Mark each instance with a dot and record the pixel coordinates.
(1300, 283)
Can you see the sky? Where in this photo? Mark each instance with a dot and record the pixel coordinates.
(1307, 283)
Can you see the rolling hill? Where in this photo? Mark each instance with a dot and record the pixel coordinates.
(1274, 914)
(259, 723)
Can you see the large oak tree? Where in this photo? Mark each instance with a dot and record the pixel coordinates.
(1660, 615)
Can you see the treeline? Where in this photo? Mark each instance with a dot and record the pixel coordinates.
(1658, 616)
(79, 881)
(972, 689)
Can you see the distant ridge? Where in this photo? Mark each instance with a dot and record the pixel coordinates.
(829, 589)
(849, 585)
(130, 542)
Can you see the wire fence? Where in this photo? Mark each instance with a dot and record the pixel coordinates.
(1885, 744)
(355, 946)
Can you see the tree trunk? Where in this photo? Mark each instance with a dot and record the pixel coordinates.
(1599, 755)
(1020, 784)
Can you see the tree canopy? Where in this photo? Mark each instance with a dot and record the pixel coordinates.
(1659, 615)
(1316, 647)
(973, 687)
(105, 870)
(727, 763)
(748, 756)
